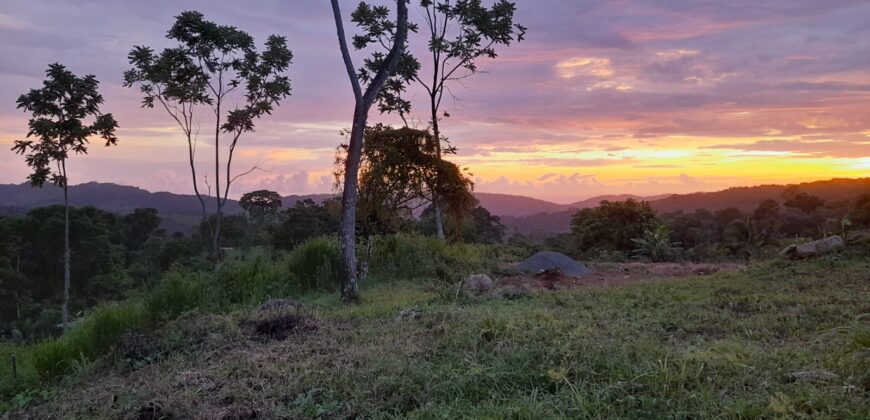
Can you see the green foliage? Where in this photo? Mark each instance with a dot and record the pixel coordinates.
(315, 264)
(750, 235)
(805, 202)
(408, 256)
(251, 281)
(860, 213)
(217, 67)
(260, 204)
(139, 226)
(612, 225)
(208, 54)
(234, 230)
(59, 111)
(669, 348)
(114, 254)
(93, 336)
(179, 291)
(656, 245)
(304, 221)
(396, 174)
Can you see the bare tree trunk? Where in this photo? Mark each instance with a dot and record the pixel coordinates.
(66, 254)
(436, 131)
(349, 290)
(216, 232)
(439, 224)
(363, 102)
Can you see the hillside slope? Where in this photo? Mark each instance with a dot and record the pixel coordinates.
(746, 198)
(753, 344)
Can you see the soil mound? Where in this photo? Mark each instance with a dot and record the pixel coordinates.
(554, 261)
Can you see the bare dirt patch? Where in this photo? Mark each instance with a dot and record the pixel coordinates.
(614, 274)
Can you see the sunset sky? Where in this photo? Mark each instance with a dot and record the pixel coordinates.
(603, 97)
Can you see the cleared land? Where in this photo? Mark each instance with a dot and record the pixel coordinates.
(777, 339)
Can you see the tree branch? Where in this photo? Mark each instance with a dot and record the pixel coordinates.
(345, 53)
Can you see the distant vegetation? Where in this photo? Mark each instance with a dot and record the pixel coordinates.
(623, 230)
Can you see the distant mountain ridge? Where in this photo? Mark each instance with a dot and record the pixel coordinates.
(519, 213)
(743, 198)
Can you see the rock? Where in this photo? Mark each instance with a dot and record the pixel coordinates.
(553, 261)
(409, 314)
(859, 237)
(813, 376)
(477, 284)
(814, 249)
(788, 251)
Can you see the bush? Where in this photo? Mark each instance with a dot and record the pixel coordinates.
(179, 291)
(251, 281)
(406, 256)
(93, 336)
(315, 265)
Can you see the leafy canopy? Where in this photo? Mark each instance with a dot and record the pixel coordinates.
(400, 171)
(612, 225)
(210, 62)
(260, 203)
(66, 113)
(458, 34)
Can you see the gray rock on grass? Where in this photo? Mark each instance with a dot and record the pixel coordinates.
(813, 249)
(545, 260)
(477, 285)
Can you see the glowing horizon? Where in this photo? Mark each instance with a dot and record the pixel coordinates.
(644, 97)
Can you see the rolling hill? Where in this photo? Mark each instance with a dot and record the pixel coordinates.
(520, 214)
(743, 198)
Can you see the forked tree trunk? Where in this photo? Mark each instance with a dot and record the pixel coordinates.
(363, 102)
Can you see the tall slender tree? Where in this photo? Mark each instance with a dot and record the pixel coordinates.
(372, 20)
(458, 34)
(217, 67)
(65, 115)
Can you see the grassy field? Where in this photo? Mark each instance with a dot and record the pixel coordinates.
(779, 340)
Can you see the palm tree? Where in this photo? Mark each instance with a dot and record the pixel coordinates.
(656, 244)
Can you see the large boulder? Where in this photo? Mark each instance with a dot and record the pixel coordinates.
(544, 261)
(813, 249)
(477, 284)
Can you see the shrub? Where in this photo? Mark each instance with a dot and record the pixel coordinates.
(93, 336)
(404, 256)
(656, 245)
(315, 265)
(179, 291)
(251, 281)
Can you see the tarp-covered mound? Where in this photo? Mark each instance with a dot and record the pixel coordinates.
(553, 261)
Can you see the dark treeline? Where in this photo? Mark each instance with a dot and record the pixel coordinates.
(119, 256)
(623, 230)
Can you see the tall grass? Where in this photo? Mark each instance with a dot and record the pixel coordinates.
(315, 265)
(96, 333)
(408, 256)
(179, 291)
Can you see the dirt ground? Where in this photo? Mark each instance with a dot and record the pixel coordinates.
(613, 274)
